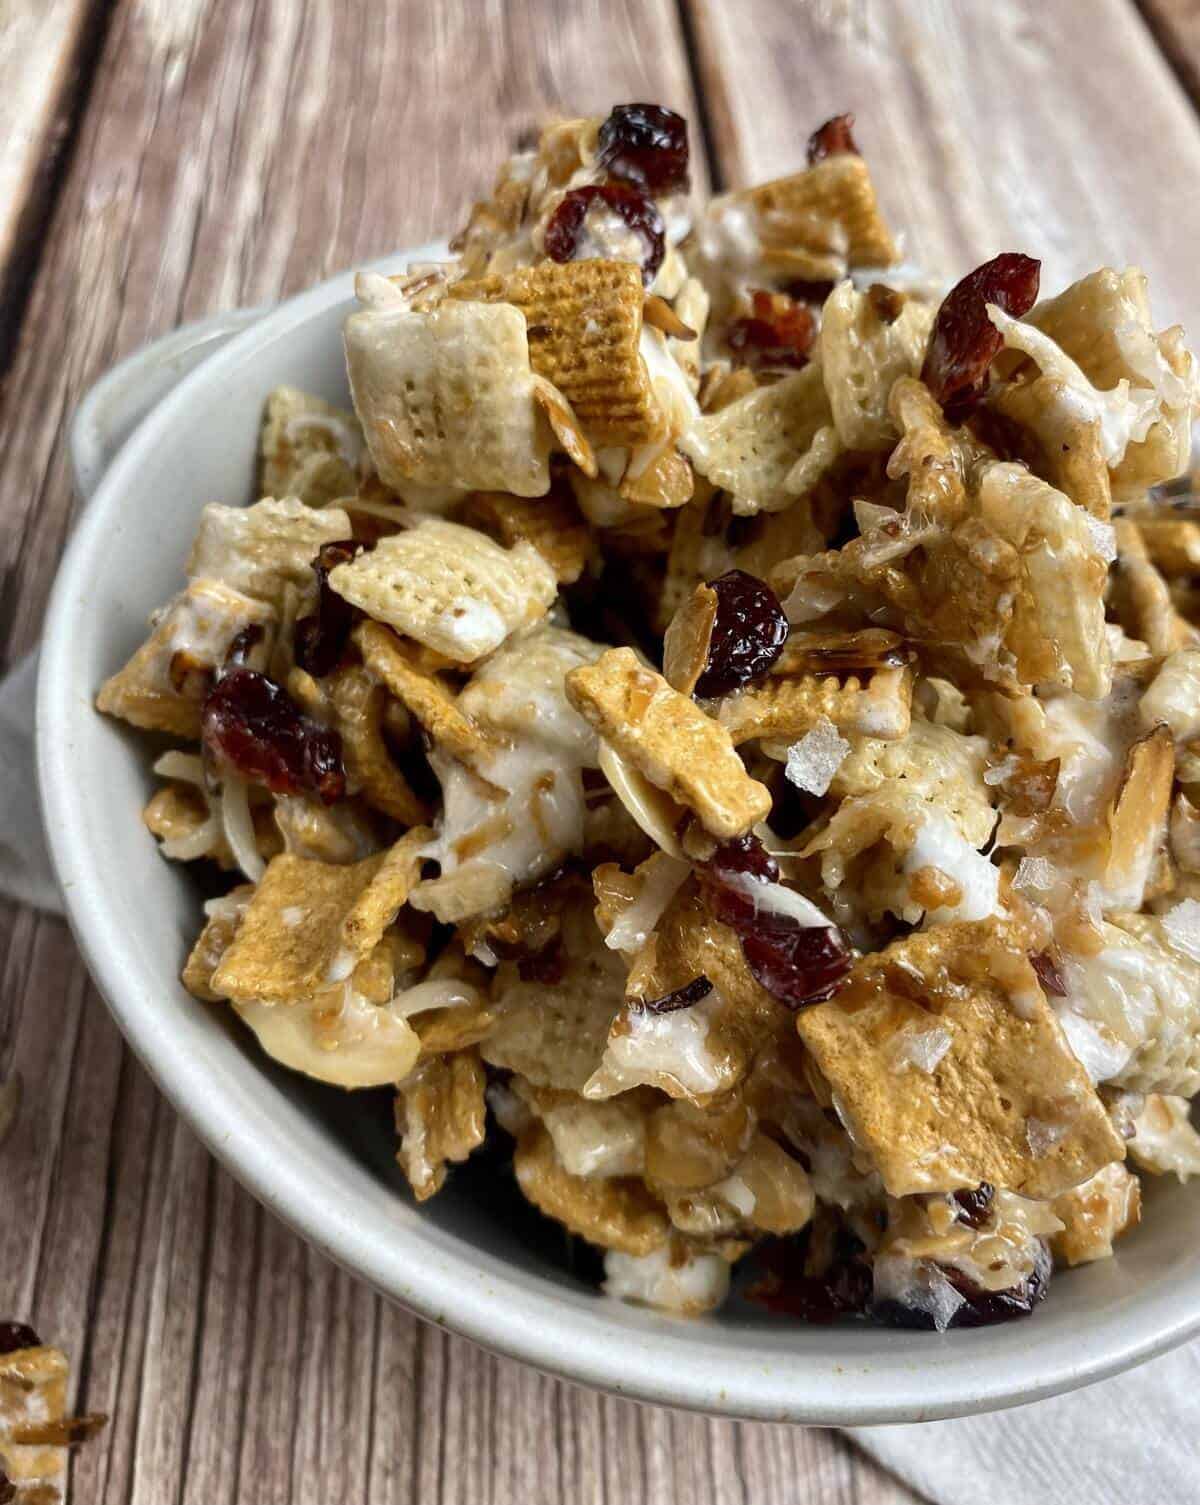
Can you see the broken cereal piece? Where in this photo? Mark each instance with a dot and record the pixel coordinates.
(308, 449)
(441, 1116)
(752, 447)
(309, 924)
(264, 549)
(879, 705)
(552, 523)
(161, 687)
(1095, 1214)
(615, 1212)
(670, 739)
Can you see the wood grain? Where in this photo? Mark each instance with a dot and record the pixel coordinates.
(45, 52)
(1175, 25)
(232, 151)
(1059, 130)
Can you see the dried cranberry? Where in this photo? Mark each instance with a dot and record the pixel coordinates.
(975, 1204)
(1049, 974)
(722, 879)
(797, 964)
(252, 726)
(679, 998)
(833, 139)
(748, 633)
(788, 1288)
(646, 145)
(8, 1490)
(745, 854)
(964, 341)
(980, 1307)
(320, 639)
(564, 229)
(14, 1335)
(779, 332)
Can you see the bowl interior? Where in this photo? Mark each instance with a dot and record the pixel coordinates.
(474, 1258)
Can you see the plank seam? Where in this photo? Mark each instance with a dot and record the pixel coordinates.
(35, 217)
(1176, 54)
(200, 1332)
(694, 57)
(100, 1266)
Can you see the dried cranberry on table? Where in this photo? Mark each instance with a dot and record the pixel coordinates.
(14, 1335)
(748, 633)
(646, 145)
(779, 332)
(833, 139)
(565, 228)
(965, 342)
(252, 726)
(320, 639)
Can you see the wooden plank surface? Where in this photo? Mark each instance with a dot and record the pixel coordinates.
(1175, 25)
(230, 152)
(1055, 129)
(45, 59)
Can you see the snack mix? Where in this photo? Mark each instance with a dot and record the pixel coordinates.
(722, 719)
(35, 1430)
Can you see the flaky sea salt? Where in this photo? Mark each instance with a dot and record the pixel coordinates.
(1001, 771)
(1035, 875)
(1103, 537)
(813, 761)
(1182, 925)
(1042, 1137)
(920, 1048)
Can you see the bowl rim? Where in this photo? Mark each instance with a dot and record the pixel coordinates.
(666, 1361)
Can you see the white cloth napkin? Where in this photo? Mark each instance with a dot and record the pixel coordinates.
(1128, 1441)
(25, 872)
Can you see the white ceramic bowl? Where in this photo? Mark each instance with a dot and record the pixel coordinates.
(322, 1160)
